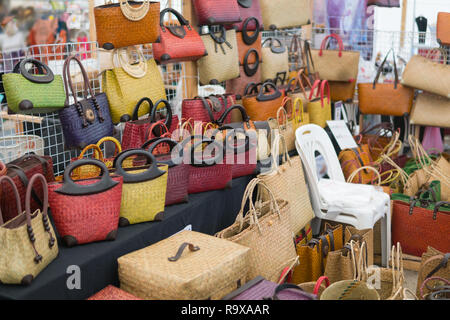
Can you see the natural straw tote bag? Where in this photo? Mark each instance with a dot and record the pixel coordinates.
(342, 263)
(336, 65)
(150, 181)
(316, 287)
(222, 61)
(28, 241)
(433, 264)
(319, 105)
(285, 13)
(126, 23)
(421, 73)
(282, 126)
(300, 117)
(287, 181)
(299, 87)
(187, 266)
(126, 85)
(431, 110)
(275, 59)
(351, 233)
(266, 230)
(389, 99)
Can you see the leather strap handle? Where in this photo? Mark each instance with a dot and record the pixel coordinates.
(206, 105)
(245, 117)
(69, 187)
(172, 144)
(247, 69)
(319, 283)
(135, 115)
(268, 97)
(177, 14)
(275, 49)
(223, 35)
(380, 69)
(169, 117)
(16, 195)
(151, 173)
(442, 264)
(248, 88)
(191, 247)
(338, 39)
(46, 78)
(437, 206)
(249, 40)
(24, 180)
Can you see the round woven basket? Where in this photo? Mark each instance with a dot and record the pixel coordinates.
(349, 290)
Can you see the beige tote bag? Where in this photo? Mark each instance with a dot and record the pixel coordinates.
(275, 57)
(285, 13)
(431, 110)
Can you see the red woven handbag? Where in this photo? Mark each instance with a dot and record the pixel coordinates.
(87, 210)
(208, 172)
(178, 176)
(416, 228)
(249, 9)
(178, 43)
(211, 12)
(113, 293)
(207, 109)
(20, 171)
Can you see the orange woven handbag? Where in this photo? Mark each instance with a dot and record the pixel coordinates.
(353, 159)
(443, 28)
(263, 105)
(390, 99)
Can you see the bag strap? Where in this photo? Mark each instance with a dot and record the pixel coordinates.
(338, 39)
(16, 196)
(380, 69)
(135, 115)
(319, 283)
(138, 70)
(268, 97)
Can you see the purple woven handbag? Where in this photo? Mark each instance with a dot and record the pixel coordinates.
(262, 289)
(88, 120)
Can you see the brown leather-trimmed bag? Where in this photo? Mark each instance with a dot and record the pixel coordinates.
(127, 23)
(390, 99)
(262, 105)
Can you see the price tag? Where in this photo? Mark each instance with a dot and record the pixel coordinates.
(343, 136)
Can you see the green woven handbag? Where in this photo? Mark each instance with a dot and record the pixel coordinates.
(33, 93)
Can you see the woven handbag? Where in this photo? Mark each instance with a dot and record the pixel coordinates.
(299, 87)
(390, 99)
(85, 121)
(336, 65)
(139, 19)
(205, 267)
(319, 105)
(261, 289)
(249, 9)
(178, 43)
(434, 263)
(207, 109)
(300, 117)
(28, 241)
(261, 105)
(287, 181)
(316, 287)
(266, 230)
(430, 110)
(21, 171)
(33, 93)
(150, 181)
(246, 42)
(275, 59)
(353, 159)
(443, 28)
(222, 61)
(88, 210)
(125, 86)
(112, 293)
(211, 12)
(342, 90)
(285, 13)
(283, 127)
(178, 172)
(421, 73)
(367, 235)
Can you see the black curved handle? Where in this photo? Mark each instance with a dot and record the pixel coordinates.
(268, 97)
(289, 85)
(273, 48)
(249, 40)
(245, 3)
(47, 78)
(177, 256)
(151, 173)
(245, 117)
(168, 119)
(135, 115)
(205, 163)
(223, 36)
(251, 71)
(69, 187)
(177, 14)
(248, 87)
(172, 144)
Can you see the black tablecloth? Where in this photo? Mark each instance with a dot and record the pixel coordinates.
(207, 212)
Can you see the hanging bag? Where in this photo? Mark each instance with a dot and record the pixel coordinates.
(249, 9)
(431, 110)
(178, 43)
(285, 13)
(275, 59)
(319, 105)
(263, 104)
(85, 121)
(210, 12)
(127, 23)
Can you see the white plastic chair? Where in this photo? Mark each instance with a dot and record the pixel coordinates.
(311, 138)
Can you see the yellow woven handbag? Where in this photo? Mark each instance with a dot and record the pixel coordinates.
(300, 117)
(319, 108)
(128, 163)
(126, 85)
(143, 190)
(87, 171)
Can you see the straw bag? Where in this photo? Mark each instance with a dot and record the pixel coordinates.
(86, 121)
(210, 12)
(28, 241)
(287, 181)
(353, 159)
(443, 28)
(178, 43)
(207, 109)
(300, 117)
(33, 93)
(431, 110)
(351, 233)
(186, 266)
(265, 229)
(285, 13)
(342, 91)
(275, 59)
(421, 73)
(262, 105)
(249, 9)
(282, 126)
(139, 20)
(319, 105)
(433, 264)
(88, 210)
(336, 65)
(299, 87)
(112, 293)
(390, 99)
(379, 141)
(316, 287)
(126, 85)
(222, 61)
